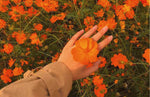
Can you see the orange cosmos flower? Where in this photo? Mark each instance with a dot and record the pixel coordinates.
(28, 3)
(38, 27)
(8, 48)
(111, 23)
(146, 55)
(100, 13)
(47, 5)
(130, 14)
(22, 61)
(102, 61)
(20, 37)
(132, 3)
(97, 81)
(11, 62)
(2, 23)
(120, 12)
(104, 3)
(100, 91)
(16, 1)
(7, 72)
(85, 51)
(145, 2)
(5, 79)
(3, 5)
(54, 59)
(60, 16)
(116, 81)
(17, 71)
(89, 22)
(119, 60)
(31, 12)
(34, 39)
(85, 81)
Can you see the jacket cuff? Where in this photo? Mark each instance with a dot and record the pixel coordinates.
(57, 77)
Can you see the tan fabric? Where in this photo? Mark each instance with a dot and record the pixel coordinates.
(54, 80)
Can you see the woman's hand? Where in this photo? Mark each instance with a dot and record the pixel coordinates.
(79, 70)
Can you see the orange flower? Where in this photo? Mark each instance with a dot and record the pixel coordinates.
(100, 91)
(60, 16)
(146, 55)
(102, 61)
(132, 3)
(5, 79)
(145, 2)
(89, 22)
(38, 27)
(44, 36)
(85, 81)
(122, 25)
(130, 14)
(20, 37)
(116, 81)
(54, 59)
(85, 51)
(7, 72)
(28, 3)
(111, 23)
(100, 13)
(22, 61)
(11, 62)
(17, 71)
(119, 60)
(16, 12)
(8, 48)
(97, 81)
(3, 5)
(34, 39)
(16, 1)
(104, 3)
(2, 23)
(47, 5)
(31, 12)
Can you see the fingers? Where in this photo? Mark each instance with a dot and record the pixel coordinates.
(105, 42)
(74, 38)
(90, 32)
(98, 35)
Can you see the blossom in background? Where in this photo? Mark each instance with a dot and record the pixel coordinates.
(28, 3)
(7, 73)
(20, 37)
(38, 27)
(104, 3)
(85, 51)
(47, 5)
(3, 5)
(60, 16)
(16, 1)
(55, 57)
(102, 61)
(100, 91)
(89, 22)
(146, 55)
(35, 39)
(11, 62)
(97, 80)
(17, 71)
(119, 60)
(22, 61)
(16, 12)
(145, 2)
(99, 13)
(31, 12)
(132, 3)
(2, 23)
(8, 48)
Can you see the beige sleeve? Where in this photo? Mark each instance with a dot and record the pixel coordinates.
(54, 80)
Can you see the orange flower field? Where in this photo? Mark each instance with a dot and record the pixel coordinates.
(34, 32)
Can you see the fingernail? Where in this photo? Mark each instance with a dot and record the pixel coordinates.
(110, 37)
(95, 27)
(105, 29)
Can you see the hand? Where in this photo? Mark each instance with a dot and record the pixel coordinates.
(79, 70)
